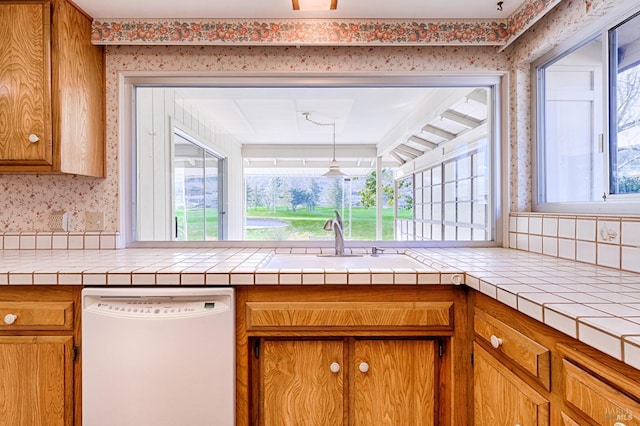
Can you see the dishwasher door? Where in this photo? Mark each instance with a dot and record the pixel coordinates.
(158, 357)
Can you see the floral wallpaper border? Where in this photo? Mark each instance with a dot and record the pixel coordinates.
(357, 32)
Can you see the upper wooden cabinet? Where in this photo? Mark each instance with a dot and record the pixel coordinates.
(51, 90)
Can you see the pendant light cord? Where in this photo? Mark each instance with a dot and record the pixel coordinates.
(317, 123)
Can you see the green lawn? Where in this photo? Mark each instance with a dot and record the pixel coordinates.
(306, 225)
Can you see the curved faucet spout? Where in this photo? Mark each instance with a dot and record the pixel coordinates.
(336, 226)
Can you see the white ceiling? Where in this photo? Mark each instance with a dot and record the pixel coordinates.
(397, 123)
(275, 9)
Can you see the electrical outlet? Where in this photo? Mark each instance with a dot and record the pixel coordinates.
(58, 221)
(94, 221)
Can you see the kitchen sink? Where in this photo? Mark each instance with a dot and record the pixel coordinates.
(348, 261)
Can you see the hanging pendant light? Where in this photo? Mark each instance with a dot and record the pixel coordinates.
(334, 166)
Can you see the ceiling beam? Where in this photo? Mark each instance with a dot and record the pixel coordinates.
(438, 132)
(423, 142)
(397, 157)
(409, 150)
(461, 119)
(478, 95)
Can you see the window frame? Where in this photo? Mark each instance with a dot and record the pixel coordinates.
(624, 204)
(127, 125)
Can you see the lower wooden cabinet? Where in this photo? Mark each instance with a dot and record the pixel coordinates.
(501, 397)
(39, 375)
(348, 382)
(353, 356)
(36, 380)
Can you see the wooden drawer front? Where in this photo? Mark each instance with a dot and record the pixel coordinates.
(262, 315)
(529, 355)
(596, 399)
(37, 315)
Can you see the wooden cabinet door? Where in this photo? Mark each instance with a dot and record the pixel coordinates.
(298, 386)
(501, 398)
(393, 382)
(36, 381)
(25, 106)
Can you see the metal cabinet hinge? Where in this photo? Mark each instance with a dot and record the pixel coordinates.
(256, 349)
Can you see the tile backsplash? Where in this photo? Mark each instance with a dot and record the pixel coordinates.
(600, 240)
(58, 240)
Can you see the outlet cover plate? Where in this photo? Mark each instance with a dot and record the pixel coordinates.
(94, 221)
(58, 221)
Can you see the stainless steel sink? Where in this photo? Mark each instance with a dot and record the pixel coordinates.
(323, 261)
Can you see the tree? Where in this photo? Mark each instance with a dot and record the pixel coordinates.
(335, 193)
(368, 193)
(298, 197)
(314, 194)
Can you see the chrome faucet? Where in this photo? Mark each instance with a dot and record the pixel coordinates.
(336, 226)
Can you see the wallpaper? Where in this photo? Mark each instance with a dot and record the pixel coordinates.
(27, 200)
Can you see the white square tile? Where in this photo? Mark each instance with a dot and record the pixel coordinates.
(550, 246)
(11, 241)
(335, 278)
(16, 278)
(44, 241)
(4, 279)
(76, 241)
(609, 255)
(91, 242)
(45, 278)
(532, 309)
(94, 279)
(585, 251)
(195, 279)
(60, 241)
(508, 298)
(429, 278)
(313, 279)
(586, 229)
(513, 224)
(631, 259)
(567, 248)
(523, 224)
(567, 228)
(488, 289)
(107, 242)
(632, 351)
(608, 231)
(535, 225)
(535, 243)
(118, 279)
(153, 279)
(288, 279)
(513, 240)
(522, 241)
(630, 233)
(248, 279)
(264, 279)
(219, 279)
(69, 278)
(550, 226)
(600, 340)
(473, 282)
(561, 322)
(358, 278)
(403, 278)
(27, 241)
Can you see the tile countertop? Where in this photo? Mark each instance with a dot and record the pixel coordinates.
(597, 305)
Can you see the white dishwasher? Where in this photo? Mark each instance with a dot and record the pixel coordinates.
(158, 357)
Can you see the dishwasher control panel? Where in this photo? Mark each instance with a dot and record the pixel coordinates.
(151, 308)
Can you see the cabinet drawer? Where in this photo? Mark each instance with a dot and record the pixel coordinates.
(265, 315)
(596, 399)
(36, 315)
(526, 353)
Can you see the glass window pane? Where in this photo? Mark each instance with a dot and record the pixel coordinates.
(569, 156)
(625, 107)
